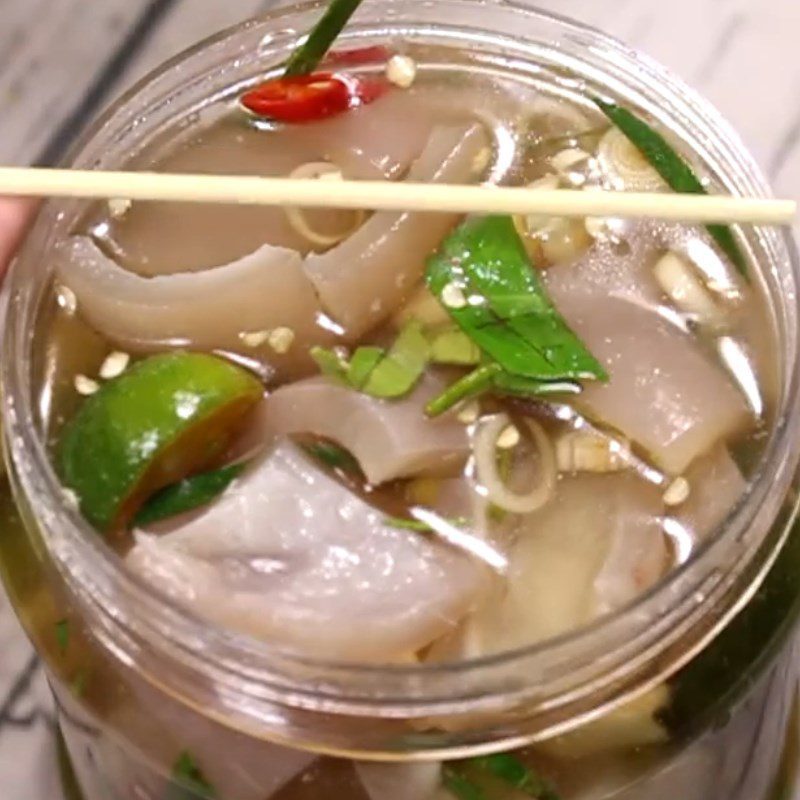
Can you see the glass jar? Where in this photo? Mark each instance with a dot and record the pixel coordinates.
(155, 704)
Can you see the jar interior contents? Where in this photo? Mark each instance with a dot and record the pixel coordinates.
(403, 437)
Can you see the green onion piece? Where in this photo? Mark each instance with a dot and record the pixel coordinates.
(671, 166)
(187, 495)
(307, 57)
(513, 321)
(459, 785)
(332, 456)
(363, 362)
(188, 775)
(402, 367)
(455, 347)
(511, 770)
(475, 383)
(405, 524)
(330, 363)
(62, 635)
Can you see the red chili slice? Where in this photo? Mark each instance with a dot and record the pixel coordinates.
(308, 98)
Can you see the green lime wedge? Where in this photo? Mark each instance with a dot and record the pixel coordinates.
(167, 417)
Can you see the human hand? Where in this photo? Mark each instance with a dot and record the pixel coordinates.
(15, 214)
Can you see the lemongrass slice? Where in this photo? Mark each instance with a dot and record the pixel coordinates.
(679, 280)
(573, 165)
(551, 118)
(624, 166)
(320, 170)
(590, 451)
(487, 434)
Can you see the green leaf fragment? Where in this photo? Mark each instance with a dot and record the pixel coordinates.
(492, 377)
(378, 373)
(363, 362)
(508, 313)
(62, 630)
(79, 682)
(505, 383)
(307, 57)
(330, 363)
(187, 495)
(332, 456)
(456, 348)
(476, 382)
(673, 168)
(402, 367)
(511, 770)
(189, 776)
(460, 786)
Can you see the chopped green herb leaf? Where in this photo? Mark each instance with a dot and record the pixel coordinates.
(187, 495)
(475, 383)
(459, 785)
(62, 635)
(505, 383)
(307, 57)
(455, 347)
(671, 166)
(507, 313)
(363, 362)
(493, 377)
(79, 682)
(402, 367)
(379, 373)
(332, 456)
(188, 775)
(330, 363)
(511, 770)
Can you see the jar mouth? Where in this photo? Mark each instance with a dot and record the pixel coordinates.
(561, 681)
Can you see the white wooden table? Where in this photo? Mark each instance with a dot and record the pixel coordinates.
(61, 60)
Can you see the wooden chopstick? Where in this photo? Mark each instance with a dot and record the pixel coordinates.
(391, 195)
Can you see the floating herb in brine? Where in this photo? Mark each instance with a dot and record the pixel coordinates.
(188, 495)
(673, 168)
(461, 787)
(332, 456)
(399, 371)
(379, 373)
(307, 57)
(512, 771)
(484, 279)
(188, 776)
(62, 631)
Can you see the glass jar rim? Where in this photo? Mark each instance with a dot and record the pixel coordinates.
(610, 660)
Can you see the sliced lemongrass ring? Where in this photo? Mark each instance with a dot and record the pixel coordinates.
(319, 170)
(624, 166)
(487, 435)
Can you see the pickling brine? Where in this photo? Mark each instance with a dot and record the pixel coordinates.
(404, 446)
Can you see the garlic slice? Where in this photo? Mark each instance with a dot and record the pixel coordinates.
(623, 165)
(551, 240)
(573, 165)
(679, 280)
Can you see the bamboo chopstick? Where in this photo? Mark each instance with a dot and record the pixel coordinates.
(390, 195)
